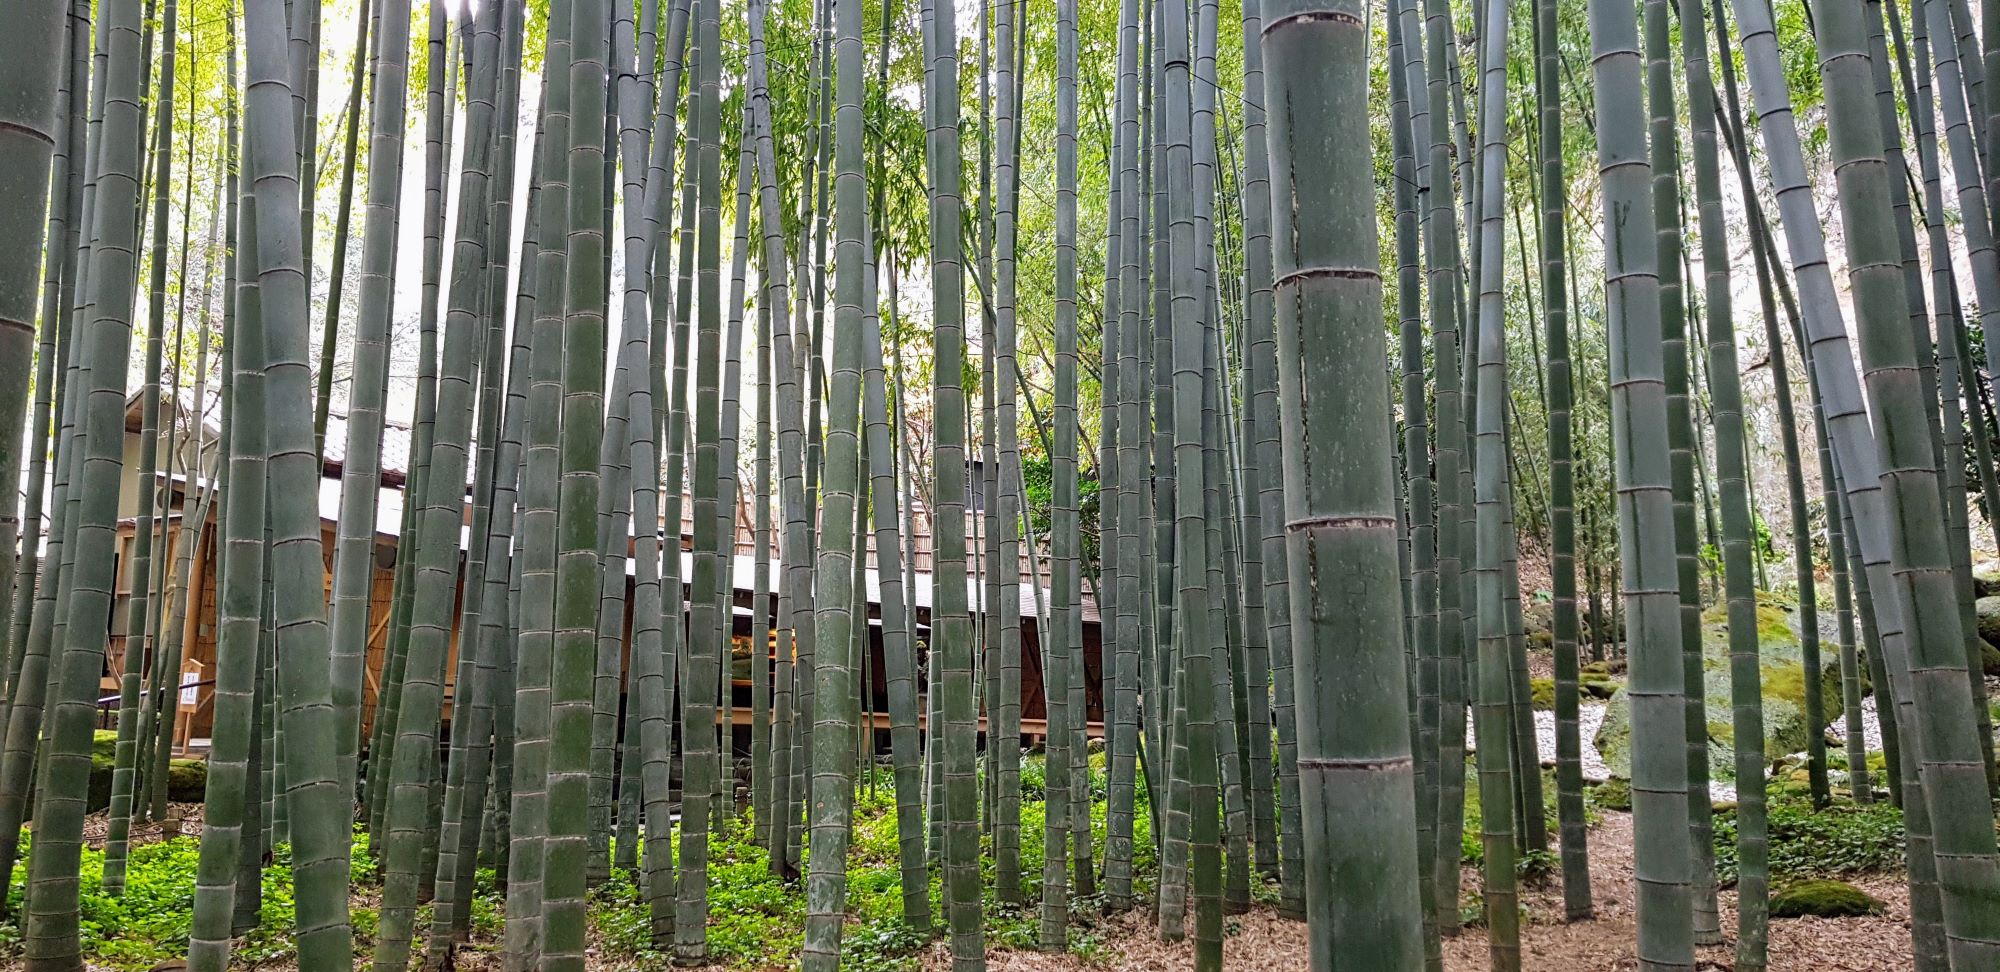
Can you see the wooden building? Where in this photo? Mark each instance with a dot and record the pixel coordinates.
(195, 721)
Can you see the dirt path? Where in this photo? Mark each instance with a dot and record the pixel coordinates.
(1261, 941)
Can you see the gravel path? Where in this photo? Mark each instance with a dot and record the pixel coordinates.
(1589, 716)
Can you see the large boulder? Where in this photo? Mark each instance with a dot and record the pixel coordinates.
(1988, 610)
(1539, 616)
(1985, 578)
(1780, 657)
(187, 779)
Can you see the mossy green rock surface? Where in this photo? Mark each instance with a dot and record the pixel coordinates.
(187, 779)
(1612, 794)
(1539, 617)
(103, 758)
(1988, 609)
(1783, 667)
(1589, 687)
(1823, 899)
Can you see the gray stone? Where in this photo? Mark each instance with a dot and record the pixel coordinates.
(1780, 657)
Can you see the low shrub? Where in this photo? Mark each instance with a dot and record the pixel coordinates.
(1836, 841)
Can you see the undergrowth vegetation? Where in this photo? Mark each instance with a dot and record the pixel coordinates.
(148, 924)
(755, 919)
(1835, 841)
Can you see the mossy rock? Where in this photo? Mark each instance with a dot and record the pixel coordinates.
(1612, 794)
(1603, 669)
(1988, 610)
(1598, 686)
(1782, 667)
(1794, 783)
(1878, 764)
(103, 759)
(1823, 899)
(1538, 617)
(1540, 641)
(1985, 579)
(1542, 691)
(104, 746)
(1989, 657)
(1542, 694)
(187, 779)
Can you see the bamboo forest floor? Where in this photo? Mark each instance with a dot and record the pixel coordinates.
(1875, 943)
(755, 920)
(1260, 940)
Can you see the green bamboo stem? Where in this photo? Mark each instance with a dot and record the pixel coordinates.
(50, 928)
(951, 626)
(1552, 192)
(1493, 715)
(228, 821)
(1422, 501)
(571, 701)
(1355, 764)
(1664, 149)
(1431, 126)
(899, 663)
(1064, 542)
(528, 861)
(414, 754)
(42, 137)
(1653, 624)
(1725, 385)
(138, 644)
(1129, 559)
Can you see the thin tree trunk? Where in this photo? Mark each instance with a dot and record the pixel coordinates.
(951, 626)
(337, 276)
(414, 756)
(1130, 556)
(572, 700)
(528, 860)
(1732, 466)
(137, 634)
(354, 556)
(1552, 235)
